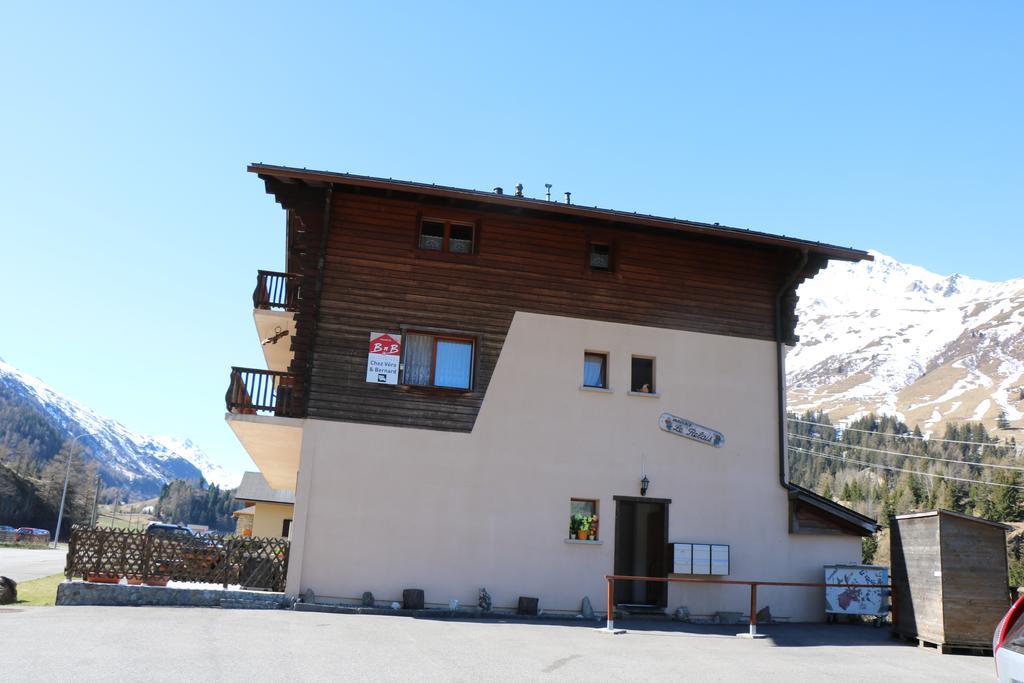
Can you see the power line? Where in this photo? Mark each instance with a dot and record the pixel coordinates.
(898, 469)
(901, 436)
(906, 455)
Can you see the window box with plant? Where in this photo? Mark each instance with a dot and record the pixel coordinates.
(583, 527)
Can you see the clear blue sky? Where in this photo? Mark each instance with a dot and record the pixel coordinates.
(130, 233)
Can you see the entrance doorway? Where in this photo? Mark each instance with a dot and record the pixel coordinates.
(641, 549)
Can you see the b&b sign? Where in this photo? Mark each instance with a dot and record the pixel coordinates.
(382, 361)
(691, 430)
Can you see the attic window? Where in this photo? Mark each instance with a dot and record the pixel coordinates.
(600, 256)
(447, 236)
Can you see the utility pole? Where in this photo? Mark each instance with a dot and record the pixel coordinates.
(67, 476)
(95, 502)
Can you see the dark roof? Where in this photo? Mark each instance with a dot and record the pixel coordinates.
(324, 178)
(255, 488)
(832, 509)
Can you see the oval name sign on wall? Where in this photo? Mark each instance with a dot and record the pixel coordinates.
(691, 430)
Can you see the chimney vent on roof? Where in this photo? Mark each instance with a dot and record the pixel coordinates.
(498, 190)
(519, 189)
(548, 185)
(568, 197)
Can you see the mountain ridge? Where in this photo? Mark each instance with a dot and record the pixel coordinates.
(897, 339)
(139, 462)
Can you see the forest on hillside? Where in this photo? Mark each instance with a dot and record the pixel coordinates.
(184, 502)
(880, 467)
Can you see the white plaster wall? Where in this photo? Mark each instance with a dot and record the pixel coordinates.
(382, 508)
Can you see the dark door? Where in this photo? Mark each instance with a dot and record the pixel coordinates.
(641, 549)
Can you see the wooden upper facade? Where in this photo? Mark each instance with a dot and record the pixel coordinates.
(355, 250)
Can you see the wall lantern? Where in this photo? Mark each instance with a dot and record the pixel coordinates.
(644, 483)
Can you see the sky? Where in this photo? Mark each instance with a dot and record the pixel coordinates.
(130, 232)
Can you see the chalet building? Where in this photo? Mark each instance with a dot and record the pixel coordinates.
(268, 512)
(476, 389)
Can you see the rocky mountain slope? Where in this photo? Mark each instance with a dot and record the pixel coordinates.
(139, 463)
(894, 338)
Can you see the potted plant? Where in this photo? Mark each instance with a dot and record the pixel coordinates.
(593, 528)
(574, 525)
(583, 526)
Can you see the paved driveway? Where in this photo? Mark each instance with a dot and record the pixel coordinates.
(25, 564)
(168, 643)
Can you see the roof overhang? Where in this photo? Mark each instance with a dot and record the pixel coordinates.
(842, 516)
(321, 179)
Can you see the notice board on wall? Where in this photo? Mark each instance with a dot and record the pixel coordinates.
(382, 358)
(701, 559)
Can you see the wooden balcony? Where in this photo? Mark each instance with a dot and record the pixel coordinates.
(262, 392)
(276, 291)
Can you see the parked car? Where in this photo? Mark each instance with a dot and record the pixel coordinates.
(1008, 644)
(30, 531)
(173, 530)
(4, 529)
(185, 553)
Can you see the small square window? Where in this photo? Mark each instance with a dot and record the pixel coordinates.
(600, 257)
(642, 375)
(460, 240)
(440, 235)
(432, 235)
(583, 519)
(595, 370)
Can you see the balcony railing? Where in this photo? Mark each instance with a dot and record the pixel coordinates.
(262, 392)
(276, 291)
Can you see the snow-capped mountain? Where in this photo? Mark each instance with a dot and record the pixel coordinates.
(890, 337)
(138, 462)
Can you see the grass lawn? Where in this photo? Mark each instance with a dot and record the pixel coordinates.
(39, 592)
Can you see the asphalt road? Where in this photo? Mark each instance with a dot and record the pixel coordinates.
(25, 564)
(184, 644)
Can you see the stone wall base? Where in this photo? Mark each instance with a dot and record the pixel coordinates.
(116, 595)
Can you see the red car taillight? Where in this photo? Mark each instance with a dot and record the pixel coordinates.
(1007, 624)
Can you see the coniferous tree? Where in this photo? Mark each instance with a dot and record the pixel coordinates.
(1004, 501)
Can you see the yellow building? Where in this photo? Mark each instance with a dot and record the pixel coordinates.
(268, 512)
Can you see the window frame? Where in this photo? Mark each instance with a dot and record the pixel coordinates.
(607, 371)
(608, 239)
(447, 220)
(654, 375)
(442, 335)
(590, 251)
(596, 502)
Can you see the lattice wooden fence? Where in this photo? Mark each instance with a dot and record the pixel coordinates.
(108, 555)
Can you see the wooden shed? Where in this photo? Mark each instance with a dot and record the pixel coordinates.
(950, 579)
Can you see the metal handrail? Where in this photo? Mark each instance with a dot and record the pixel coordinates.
(612, 578)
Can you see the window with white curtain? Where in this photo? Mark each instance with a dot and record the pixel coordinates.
(595, 370)
(438, 361)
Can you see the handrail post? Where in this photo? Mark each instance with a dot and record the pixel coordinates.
(753, 609)
(611, 614)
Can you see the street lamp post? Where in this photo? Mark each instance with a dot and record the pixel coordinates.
(67, 476)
